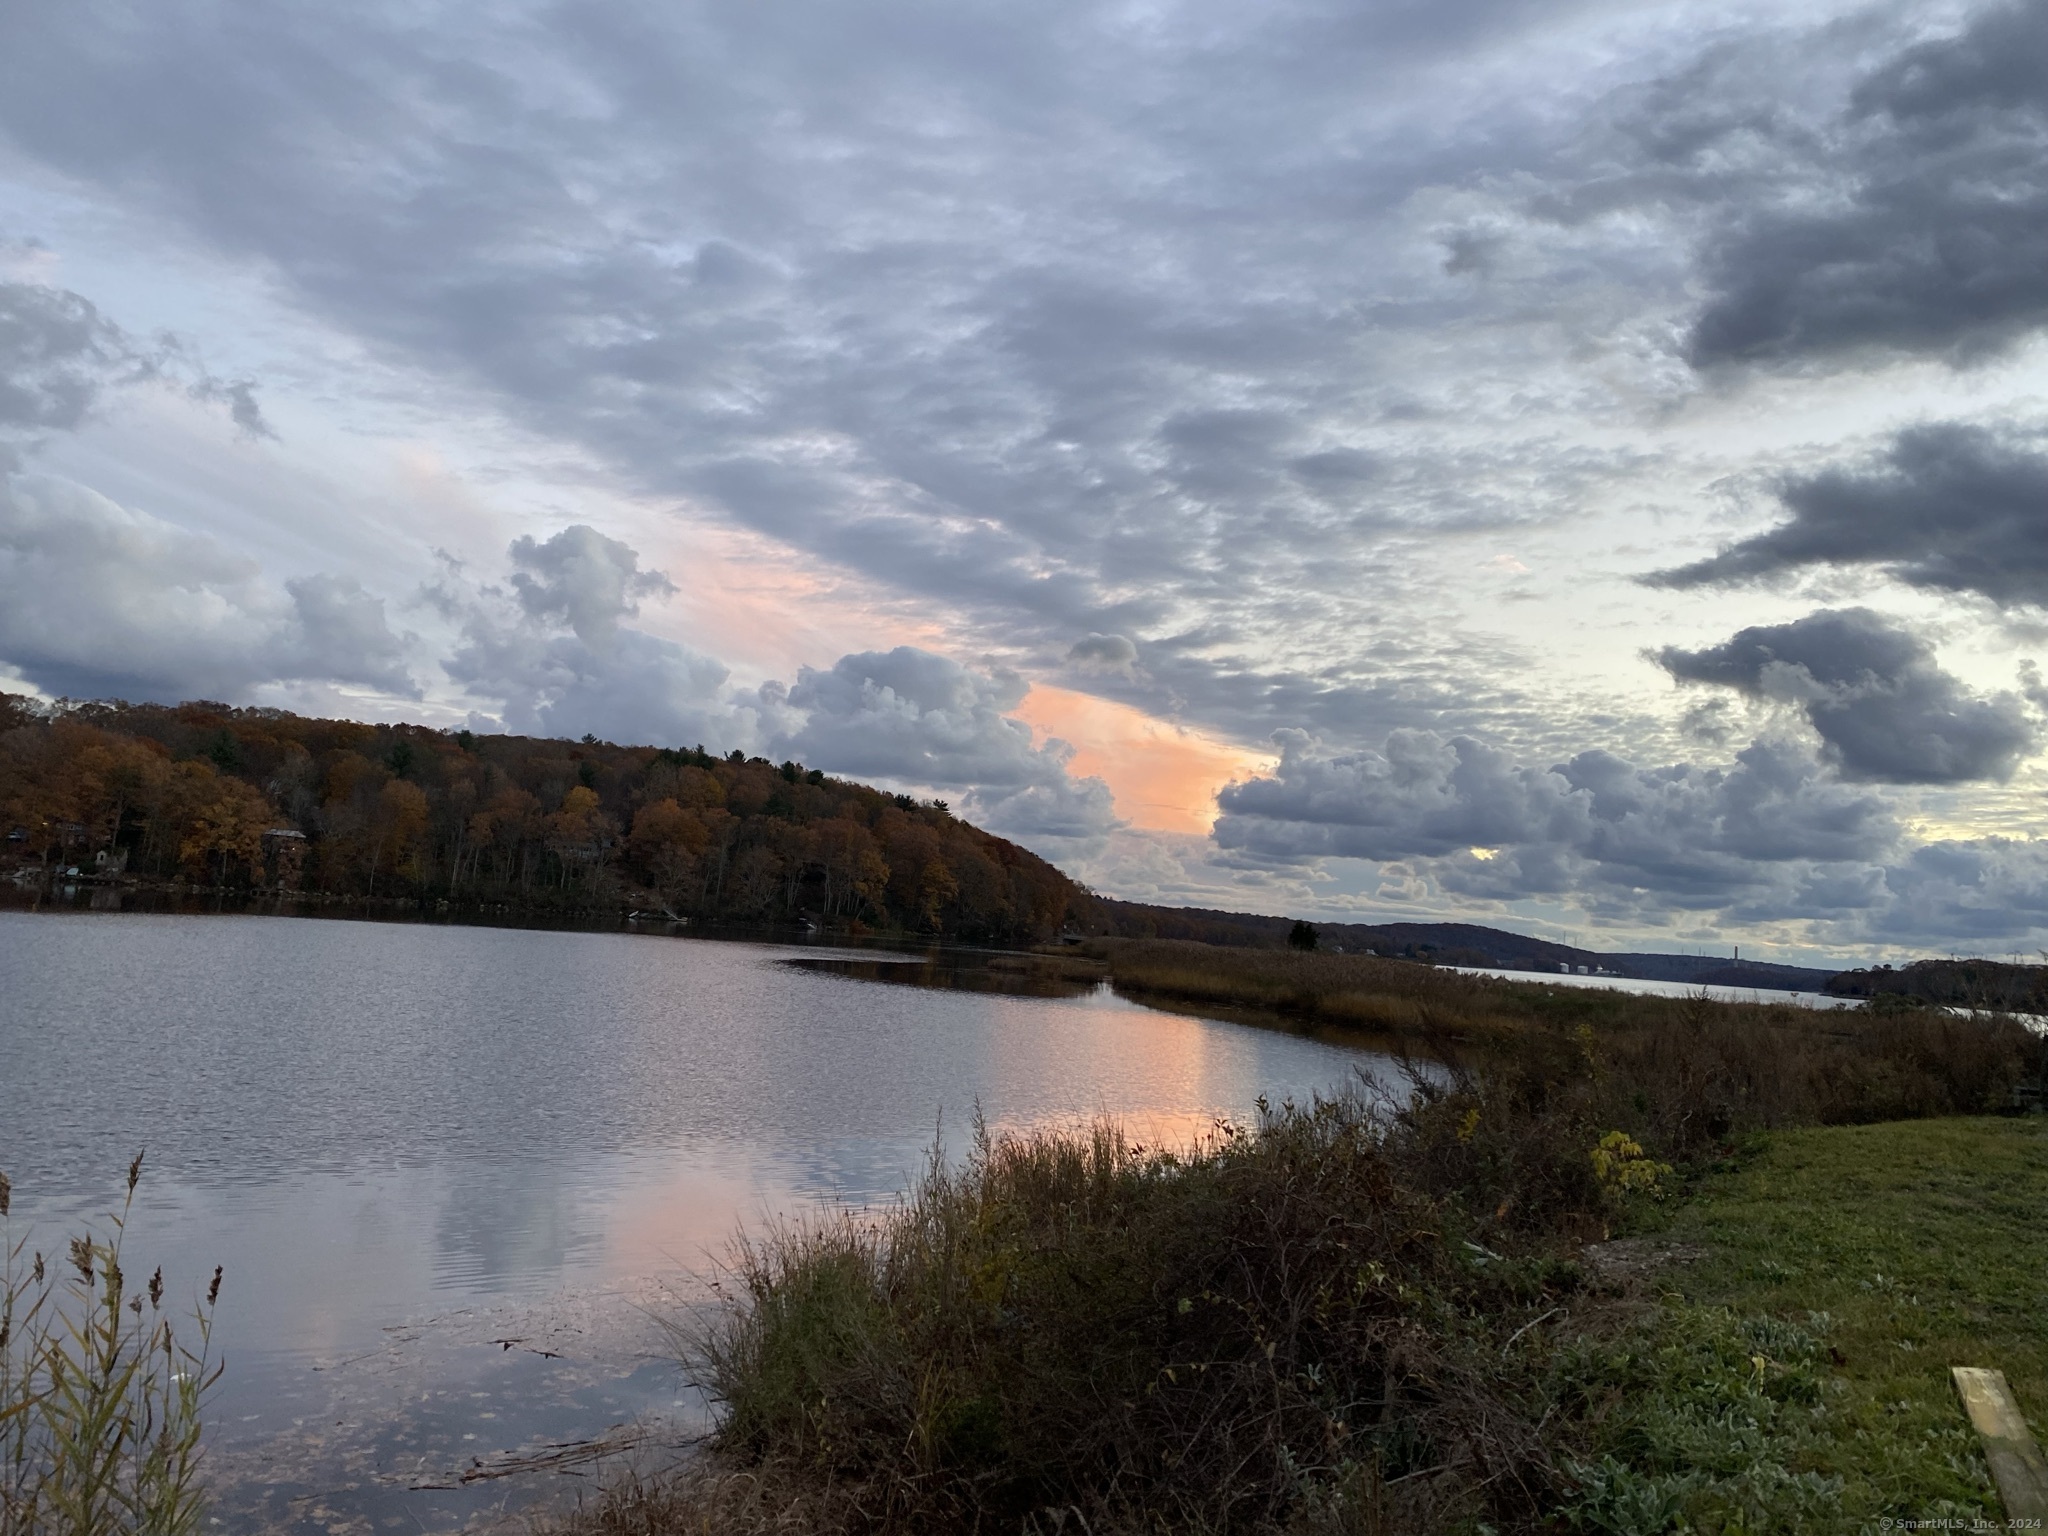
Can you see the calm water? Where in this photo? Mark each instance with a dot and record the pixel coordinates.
(454, 1173)
(1670, 988)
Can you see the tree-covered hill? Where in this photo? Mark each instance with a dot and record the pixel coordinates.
(1973, 983)
(260, 798)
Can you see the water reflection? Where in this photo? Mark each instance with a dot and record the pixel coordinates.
(410, 1145)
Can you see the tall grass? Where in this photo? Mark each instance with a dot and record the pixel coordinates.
(1276, 1329)
(100, 1399)
(1360, 991)
(1686, 1072)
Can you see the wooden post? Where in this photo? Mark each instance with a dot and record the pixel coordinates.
(2017, 1465)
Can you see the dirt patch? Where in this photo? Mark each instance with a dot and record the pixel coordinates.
(1630, 1260)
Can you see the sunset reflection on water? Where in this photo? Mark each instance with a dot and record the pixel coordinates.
(454, 1174)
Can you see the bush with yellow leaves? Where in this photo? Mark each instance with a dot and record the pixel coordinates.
(1623, 1169)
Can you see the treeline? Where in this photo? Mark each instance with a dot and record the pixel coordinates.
(263, 799)
(1992, 984)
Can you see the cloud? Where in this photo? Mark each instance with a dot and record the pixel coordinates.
(98, 600)
(338, 633)
(1949, 507)
(907, 716)
(1456, 821)
(1215, 342)
(1454, 825)
(704, 251)
(59, 355)
(1418, 794)
(1678, 830)
(638, 688)
(1974, 894)
(239, 395)
(1103, 653)
(599, 678)
(1057, 815)
(56, 353)
(583, 577)
(1884, 709)
(1930, 234)
(1206, 390)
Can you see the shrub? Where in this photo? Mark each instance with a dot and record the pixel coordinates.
(1271, 1325)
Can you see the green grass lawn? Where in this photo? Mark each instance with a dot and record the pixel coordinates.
(1796, 1377)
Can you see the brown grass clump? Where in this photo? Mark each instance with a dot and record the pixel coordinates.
(1281, 1329)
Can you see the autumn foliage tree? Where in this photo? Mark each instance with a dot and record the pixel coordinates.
(208, 793)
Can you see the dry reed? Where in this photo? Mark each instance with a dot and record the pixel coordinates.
(100, 1400)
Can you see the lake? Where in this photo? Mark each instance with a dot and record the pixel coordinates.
(455, 1174)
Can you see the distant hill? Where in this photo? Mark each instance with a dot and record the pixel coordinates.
(1451, 944)
(1952, 983)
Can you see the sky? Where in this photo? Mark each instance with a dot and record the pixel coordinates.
(1580, 467)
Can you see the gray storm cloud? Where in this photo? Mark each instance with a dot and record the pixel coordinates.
(1948, 507)
(1689, 833)
(1104, 653)
(1936, 239)
(1884, 709)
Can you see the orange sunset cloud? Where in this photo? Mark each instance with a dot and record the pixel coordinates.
(1164, 777)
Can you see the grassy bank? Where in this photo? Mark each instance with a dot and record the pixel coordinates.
(1357, 991)
(1857, 1264)
(1375, 1316)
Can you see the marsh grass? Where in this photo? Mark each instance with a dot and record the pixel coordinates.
(1359, 991)
(1682, 1073)
(100, 1399)
(1359, 1315)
